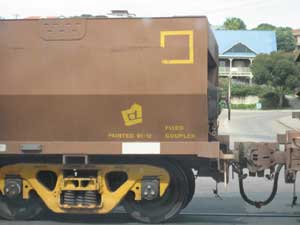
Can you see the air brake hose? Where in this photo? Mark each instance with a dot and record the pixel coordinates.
(259, 204)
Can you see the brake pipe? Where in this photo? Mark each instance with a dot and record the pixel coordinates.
(259, 204)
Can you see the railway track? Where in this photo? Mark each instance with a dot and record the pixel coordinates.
(280, 215)
(184, 218)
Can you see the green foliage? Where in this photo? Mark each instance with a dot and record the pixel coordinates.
(223, 87)
(234, 23)
(284, 36)
(277, 70)
(270, 100)
(243, 90)
(222, 104)
(265, 26)
(261, 68)
(243, 106)
(285, 39)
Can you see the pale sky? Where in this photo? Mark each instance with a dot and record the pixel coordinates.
(253, 12)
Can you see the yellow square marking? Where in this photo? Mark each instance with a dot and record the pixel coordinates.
(189, 33)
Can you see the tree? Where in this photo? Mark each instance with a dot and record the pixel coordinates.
(284, 36)
(261, 69)
(285, 39)
(265, 26)
(234, 23)
(277, 70)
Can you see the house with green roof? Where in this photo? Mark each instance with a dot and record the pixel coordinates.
(238, 48)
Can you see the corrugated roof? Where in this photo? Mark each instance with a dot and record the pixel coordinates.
(258, 41)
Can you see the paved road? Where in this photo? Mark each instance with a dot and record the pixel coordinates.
(254, 125)
(120, 219)
(244, 126)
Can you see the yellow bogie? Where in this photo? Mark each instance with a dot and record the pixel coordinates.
(109, 199)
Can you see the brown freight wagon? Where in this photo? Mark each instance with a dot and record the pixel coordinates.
(100, 112)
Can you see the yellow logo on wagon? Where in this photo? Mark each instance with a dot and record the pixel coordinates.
(133, 115)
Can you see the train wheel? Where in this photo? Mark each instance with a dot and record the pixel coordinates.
(20, 209)
(191, 182)
(165, 207)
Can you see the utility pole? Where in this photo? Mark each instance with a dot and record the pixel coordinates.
(229, 97)
(229, 90)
